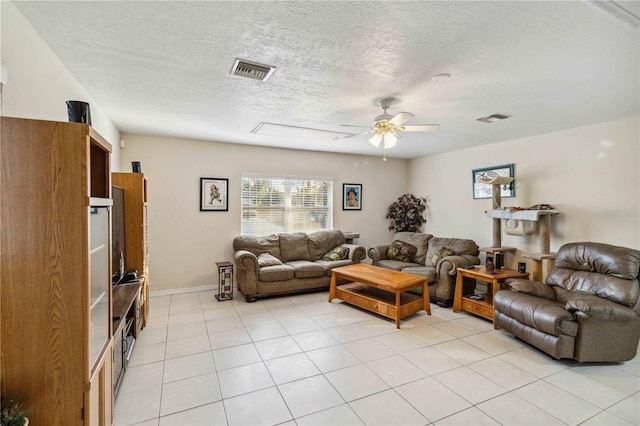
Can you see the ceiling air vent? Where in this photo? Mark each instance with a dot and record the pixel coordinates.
(253, 70)
(493, 117)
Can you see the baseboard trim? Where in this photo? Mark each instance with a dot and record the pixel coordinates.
(159, 293)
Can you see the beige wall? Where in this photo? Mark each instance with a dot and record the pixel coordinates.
(38, 84)
(591, 174)
(185, 243)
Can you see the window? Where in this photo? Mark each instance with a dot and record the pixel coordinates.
(276, 204)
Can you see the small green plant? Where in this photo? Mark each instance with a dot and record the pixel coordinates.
(406, 213)
(13, 413)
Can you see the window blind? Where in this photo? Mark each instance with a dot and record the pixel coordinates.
(279, 204)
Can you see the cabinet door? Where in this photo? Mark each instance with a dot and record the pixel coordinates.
(100, 286)
(99, 399)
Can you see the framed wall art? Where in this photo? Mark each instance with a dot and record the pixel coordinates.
(214, 195)
(351, 196)
(484, 190)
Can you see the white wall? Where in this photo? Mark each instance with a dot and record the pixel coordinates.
(591, 174)
(185, 243)
(38, 84)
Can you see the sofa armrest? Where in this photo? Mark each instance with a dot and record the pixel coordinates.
(378, 253)
(449, 265)
(248, 268)
(532, 288)
(600, 308)
(356, 252)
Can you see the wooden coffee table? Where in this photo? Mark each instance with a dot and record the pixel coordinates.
(380, 290)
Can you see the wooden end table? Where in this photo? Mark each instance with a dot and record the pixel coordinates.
(380, 290)
(481, 307)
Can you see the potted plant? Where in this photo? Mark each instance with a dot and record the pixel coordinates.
(13, 413)
(406, 213)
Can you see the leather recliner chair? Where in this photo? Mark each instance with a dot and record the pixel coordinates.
(588, 308)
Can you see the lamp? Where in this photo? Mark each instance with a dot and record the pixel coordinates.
(390, 139)
(376, 139)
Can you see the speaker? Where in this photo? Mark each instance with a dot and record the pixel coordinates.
(136, 167)
(79, 112)
(499, 260)
(522, 267)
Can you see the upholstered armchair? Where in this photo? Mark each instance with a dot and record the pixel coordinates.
(588, 308)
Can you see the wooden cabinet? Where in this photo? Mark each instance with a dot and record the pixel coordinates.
(55, 292)
(136, 231)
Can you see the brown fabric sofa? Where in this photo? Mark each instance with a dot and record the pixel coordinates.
(441, 277)
(588, 308)
(301, 267)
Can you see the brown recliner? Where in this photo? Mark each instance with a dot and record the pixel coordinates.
(588, 308)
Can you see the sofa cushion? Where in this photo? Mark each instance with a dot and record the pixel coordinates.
(616, 261)
(459, 246)
(320, 242)
(418, 239)
(443, 252)
(595, 307)
(330, 264)
(258, 245)
(337, 253)
(423, 271)
(265, 259)
(294, 246)
(275, 273)
(397, 265)
(401, 251)
(306, 269)
(609, 287)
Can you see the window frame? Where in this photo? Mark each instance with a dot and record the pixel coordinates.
(293, 204)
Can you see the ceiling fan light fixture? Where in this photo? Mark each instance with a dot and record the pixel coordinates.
(391, 139)
(376, 139)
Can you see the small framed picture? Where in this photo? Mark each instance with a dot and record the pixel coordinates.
(351, 196)
(214, 195)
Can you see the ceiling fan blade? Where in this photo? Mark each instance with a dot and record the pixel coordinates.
(421, 128)
(400, 118)
(358, 134)
(352, 125)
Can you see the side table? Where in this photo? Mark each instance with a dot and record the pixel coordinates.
(481, 305)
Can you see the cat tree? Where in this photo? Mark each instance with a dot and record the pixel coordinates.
(521, 223)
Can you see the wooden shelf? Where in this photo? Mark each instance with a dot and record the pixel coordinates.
(380, 301)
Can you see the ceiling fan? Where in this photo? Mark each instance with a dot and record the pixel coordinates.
(387, 128)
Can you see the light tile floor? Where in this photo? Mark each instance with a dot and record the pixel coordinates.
(300, 360)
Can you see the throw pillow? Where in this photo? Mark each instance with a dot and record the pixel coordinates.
(266, 259)
(336, 253)
(401, 251)
(443, 252)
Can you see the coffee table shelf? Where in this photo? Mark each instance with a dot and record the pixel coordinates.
(380, 301)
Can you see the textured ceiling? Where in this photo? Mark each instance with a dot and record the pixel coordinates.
(164, 67)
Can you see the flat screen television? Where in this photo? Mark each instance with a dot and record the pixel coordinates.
(118, 251)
